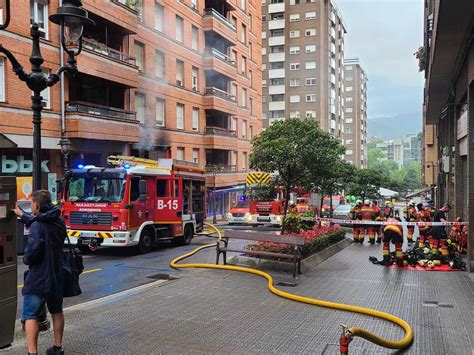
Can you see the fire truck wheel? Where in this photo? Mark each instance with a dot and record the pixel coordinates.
(145, 244)
(187, 237)
(84, 249)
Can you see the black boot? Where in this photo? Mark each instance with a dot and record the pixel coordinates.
(55, 350)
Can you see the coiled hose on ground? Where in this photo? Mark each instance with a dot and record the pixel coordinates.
(348, 333)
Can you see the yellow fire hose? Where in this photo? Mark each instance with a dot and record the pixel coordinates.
(348, 333)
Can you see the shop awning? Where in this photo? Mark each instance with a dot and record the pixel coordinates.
(417, 193)
(22, 141)
(387, 193)
(6, 142)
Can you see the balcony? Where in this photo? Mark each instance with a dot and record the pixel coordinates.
(276, 24)
(102, 111)
(219, 138)
(219, 131)
(276, 57)
(274, 8)
(102, 49)
(214, 13)
(276, 106)
(218, 61)
(220, 169)
(211, 91)
(276, 41)
(220, 100)
(276, 73)
(214, 21)
(276, 89)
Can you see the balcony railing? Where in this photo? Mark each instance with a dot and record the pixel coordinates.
(107, 51)
(185, 163)
(99, 110)
(211, 91)
(220, 168)
(220, 17)
(212, 52)
(218, 131)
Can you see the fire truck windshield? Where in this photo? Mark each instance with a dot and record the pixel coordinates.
(95, 188)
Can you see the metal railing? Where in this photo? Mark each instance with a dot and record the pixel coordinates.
(219, 131)
(99, 110)
(220, 168)
(212, 52)
(107, 51)
(212, 91)
(185, 163)
(220, 17)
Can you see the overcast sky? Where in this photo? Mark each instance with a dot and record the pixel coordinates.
(384, 34)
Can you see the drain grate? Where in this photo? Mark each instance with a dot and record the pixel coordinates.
(161, 277)
(286, 284)
(446, 305)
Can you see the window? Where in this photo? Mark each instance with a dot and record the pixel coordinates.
(277, 114)
(244, 97)
(349, 130)
(39, 15)
(277, 65)
(194, 79)
(277, 81)
(294, 17)
(310, 81)
(264, 34)
(180, 153)
(295, 114)
(179, 116)
(348, 120)
(277, 97)
(251, 78)
(194, 4)
(294, 34)
(310, 15)
(195, 119)
(311, 114)
(349, 78)
(242, 4)
(251, 132)
(250, 22)
(294, 66)
(264, 83)
(160, 112)
(310, 65)
(250, 50)
(243, 66)
(278, 16)
(179, 29)
(161, 187)
(349, 152)
(349, 99)
(294, 82)
(295, 50)
(159, 64)
(179, 72)
(309, 32)
(251, 107)
(195, 38)
(159, 17)
(196, 156)
(348, 88)
(233, 158)
(233, 90)
(2, 79)
(308, 1)
(294, 2)
(244, 130)
(277, 49)
(294, 98)
(233, 124)
(310, 48)
(311, 98)
(348, 141)
(243, 34)
(244, 161)
(140, 56)
(349, 110)
(348, 67)
(277, 33)
(140, 107)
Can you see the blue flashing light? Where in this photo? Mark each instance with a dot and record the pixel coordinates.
(80, 166)
(242, 198)
(126, 166)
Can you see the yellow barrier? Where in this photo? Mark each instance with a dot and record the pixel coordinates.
(348, 333)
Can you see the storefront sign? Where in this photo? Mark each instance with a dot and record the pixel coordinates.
(24, 188)
(20, 165)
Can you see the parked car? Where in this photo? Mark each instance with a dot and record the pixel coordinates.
(342, 212)
(240, 213)
(336, 201)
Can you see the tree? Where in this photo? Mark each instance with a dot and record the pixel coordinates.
(298, 152)
(366, 183)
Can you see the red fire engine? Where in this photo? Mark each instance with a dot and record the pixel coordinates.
(139, 202)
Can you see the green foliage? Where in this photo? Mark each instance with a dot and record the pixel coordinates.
(322, 242)
(342, 173)
(298, 151)
(262, 193)
(293, 224)
(365, 182)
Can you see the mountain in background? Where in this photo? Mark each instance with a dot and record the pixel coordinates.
(394, 126)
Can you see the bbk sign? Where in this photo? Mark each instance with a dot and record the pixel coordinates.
(20, 165)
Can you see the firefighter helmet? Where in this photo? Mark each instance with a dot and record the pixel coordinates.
(359, 203)
(367, 202)
(411, 203)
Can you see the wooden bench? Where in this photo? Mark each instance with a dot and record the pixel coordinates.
(294, 241)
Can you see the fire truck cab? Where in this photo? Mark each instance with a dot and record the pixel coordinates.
(140, 203)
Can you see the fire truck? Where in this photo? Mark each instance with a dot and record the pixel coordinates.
(137, 202)
(266, 212)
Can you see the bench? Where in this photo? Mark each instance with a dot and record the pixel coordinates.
(294, 241)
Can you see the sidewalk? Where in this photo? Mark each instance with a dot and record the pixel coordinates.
(226, 312)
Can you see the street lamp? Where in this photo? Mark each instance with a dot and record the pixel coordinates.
(215, 169)
(72, 19)
(65, 145)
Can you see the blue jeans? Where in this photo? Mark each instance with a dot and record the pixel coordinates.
(32, 305)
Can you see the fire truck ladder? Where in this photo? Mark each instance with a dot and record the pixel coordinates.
(121, 160)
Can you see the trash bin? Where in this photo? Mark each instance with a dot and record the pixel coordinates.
(8, 260)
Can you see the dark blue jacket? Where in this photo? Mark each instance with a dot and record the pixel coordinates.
(44, 252)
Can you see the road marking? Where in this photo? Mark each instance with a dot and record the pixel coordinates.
(83, 273)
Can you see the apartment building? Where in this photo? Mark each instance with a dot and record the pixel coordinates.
(179, 79)
(447, 59)
(302, 56)
(355, 118)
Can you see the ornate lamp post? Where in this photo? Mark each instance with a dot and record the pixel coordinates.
(72, 18)
(65, 149)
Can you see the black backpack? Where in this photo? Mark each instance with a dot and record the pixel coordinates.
(72, 268)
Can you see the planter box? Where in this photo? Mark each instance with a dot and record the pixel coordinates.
(307, 263)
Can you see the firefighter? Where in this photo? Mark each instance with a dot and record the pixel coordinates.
(423, 215)
(388, 211)
(378, 217)
(409, 213)
(456, 236)
(366, 213)
(354, 216)
(438, 233)
(393, 233)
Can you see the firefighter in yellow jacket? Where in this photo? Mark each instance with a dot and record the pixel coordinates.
(367, 213)
(393, 233)
(410, 215)
(354, 216)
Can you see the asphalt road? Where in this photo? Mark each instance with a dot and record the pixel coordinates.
(112, 270)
